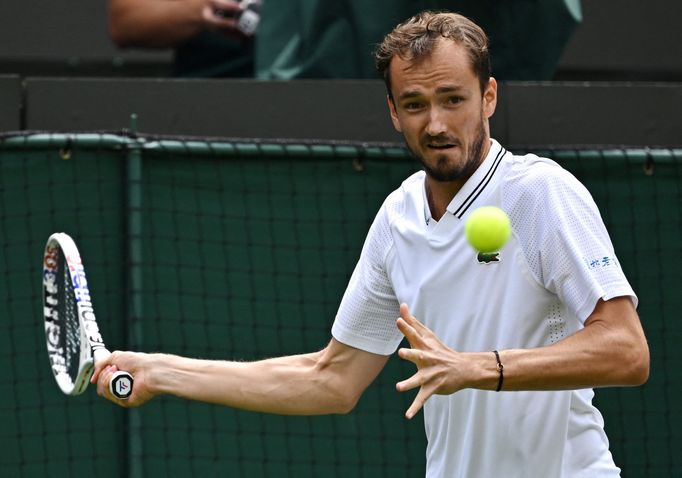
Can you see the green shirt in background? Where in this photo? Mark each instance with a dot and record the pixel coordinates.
(336, 38)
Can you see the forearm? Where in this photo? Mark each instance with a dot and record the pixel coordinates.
(599, 355)
(154, 23)
(610, 350)
(567, 365)
(293, 385)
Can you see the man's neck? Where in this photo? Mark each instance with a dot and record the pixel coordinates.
(439, 194)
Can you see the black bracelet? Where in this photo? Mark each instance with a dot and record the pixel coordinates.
(500, 369)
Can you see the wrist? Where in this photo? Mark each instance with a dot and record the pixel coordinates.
(160, 373)
(484, 371)
(500, 371)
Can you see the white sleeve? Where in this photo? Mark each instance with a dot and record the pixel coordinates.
(565, 241)
(366, 318)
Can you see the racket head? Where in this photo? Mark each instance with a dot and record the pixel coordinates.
(71, 332)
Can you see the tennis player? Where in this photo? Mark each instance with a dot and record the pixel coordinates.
(507, 348)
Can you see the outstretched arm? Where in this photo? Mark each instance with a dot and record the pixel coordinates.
(329, 381)
(164, 23)
(610, 350)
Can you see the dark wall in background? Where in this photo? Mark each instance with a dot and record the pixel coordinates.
(10, 103)
(337, 110)
(40, 37)
(72, 82)
(593, 114)
(626, 40)
(618, 39)
(527, 113)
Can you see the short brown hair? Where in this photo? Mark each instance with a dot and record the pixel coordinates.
(418, 36)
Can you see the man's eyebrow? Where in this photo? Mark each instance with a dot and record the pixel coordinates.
(449, 89)
(409, 94)
(439, 91)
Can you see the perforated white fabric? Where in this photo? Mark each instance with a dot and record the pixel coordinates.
(561, 234)
(369, 307)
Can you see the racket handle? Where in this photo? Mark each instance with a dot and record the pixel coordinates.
(121, 385)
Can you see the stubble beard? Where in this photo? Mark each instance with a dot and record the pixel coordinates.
(443, 171)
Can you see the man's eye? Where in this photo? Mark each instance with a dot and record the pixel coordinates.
(412, 106)
(453, 100)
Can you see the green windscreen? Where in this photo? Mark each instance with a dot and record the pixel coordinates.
(229, 250)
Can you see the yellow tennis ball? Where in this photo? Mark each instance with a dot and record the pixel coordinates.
(487, 229)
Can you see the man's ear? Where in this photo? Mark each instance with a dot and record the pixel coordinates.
(394, 114)
(490, 98)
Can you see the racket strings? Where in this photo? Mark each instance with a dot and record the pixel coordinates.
(69, 314)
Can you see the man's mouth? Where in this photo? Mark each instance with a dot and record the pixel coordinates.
(440, 143)
(441, 146)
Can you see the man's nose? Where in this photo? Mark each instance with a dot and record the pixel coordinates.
(436, 125)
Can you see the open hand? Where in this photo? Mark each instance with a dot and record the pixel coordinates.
(439, 368)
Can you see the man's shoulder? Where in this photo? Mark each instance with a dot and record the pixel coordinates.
(531, 175)
(409, 193)
(531, 167)
(537, 187)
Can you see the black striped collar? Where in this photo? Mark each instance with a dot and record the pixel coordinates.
(477, 183)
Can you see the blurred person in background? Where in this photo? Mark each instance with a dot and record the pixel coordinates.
(330, 38)
(204, 34)
(335, 39)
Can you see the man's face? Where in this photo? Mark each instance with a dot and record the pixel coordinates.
(438, 107)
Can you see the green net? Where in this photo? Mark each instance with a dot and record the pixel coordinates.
(242, 250)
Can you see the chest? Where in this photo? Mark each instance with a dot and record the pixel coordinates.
(471, 301)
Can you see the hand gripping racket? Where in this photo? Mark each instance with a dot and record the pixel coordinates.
(73, 339)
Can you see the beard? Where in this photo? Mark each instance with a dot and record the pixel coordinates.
(445, 171)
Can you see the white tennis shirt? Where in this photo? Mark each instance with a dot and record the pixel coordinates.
(540, 288)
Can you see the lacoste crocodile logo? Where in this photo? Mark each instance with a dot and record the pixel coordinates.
(488, 257)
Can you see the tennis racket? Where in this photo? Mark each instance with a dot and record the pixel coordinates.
(74, 342)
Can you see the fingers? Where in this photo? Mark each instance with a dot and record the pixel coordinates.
(411, 320)
(405, 312)
(413, 382)
(406, 324)
(105, 368)
(103, 380)
(421, 341)
(217, 20)
(221, 14)
(225, 5)
(417, 403)
(425, 391)
(408, 331)
(99, 366)
(414, 331)
(413, 355)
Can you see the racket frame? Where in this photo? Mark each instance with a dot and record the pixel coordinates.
(92, 347)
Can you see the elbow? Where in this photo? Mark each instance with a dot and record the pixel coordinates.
(348, 405)
(344, 402)
(340, 396)
(640, 372)
(637, 365)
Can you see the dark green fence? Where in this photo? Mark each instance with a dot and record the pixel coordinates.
(227, 249)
